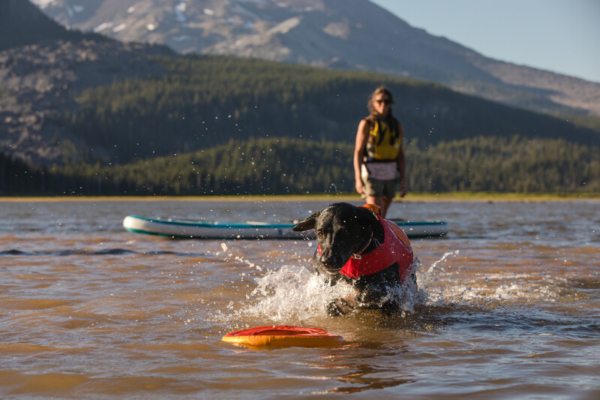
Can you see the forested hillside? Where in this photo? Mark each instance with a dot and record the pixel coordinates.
(293, 166)
(17, 177)
(203, 101)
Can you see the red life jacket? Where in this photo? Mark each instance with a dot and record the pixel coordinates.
(395, 249)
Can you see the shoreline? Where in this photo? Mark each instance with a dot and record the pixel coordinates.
(411, 197)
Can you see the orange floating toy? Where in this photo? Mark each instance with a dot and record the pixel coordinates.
(284, 336)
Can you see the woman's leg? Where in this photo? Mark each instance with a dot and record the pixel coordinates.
(386, 201)
(388, 194)
(381, 193)
(382, 202)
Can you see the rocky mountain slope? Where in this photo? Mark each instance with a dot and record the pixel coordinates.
(343, 34)
(40, 81)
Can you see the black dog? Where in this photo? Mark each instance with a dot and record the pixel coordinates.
(343, 232)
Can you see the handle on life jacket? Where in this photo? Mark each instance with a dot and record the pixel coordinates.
(373, 207)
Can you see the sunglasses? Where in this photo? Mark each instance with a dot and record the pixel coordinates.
(387, 102)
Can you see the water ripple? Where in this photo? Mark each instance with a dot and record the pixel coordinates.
(101, 252)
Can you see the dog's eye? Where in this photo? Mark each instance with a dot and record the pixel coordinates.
(321, 235)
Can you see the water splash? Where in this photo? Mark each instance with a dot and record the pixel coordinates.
(474, 288)
(441, 260)
(428, 280)
(293, 294)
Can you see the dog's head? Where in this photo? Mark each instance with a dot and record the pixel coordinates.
(342, 230)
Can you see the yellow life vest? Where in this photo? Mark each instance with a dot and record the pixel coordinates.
(384, 140)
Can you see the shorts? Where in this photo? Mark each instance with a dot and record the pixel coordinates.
(378, 188)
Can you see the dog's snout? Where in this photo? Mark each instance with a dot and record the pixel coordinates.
(330, 261)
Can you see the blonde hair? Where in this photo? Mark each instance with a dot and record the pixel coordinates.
(380, 90)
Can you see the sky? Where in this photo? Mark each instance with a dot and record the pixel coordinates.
(556, 35)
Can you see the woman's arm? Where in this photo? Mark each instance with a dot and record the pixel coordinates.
(401, 161)
(362, 135)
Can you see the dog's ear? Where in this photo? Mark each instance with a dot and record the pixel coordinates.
(366, 217)
(308, 223)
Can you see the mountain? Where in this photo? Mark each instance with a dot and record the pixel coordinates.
(66, 102)
(39, 82)
(43, 66)
(82, 100)
(22, 23)
(202, 101)
(340, 34)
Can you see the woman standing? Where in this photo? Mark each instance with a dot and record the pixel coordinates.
(378, 156)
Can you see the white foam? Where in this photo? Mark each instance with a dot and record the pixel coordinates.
(293, 293)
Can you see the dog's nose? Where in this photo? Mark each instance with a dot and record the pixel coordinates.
(329, 262)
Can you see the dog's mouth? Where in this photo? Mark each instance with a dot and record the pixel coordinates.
(335, 262)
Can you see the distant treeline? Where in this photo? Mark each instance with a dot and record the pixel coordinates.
(17, 177)
(281, 166)
(204, 101)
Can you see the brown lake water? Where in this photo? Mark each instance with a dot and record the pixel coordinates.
(508, 306)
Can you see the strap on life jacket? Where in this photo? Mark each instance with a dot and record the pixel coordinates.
(358, 254)
(378, 129)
